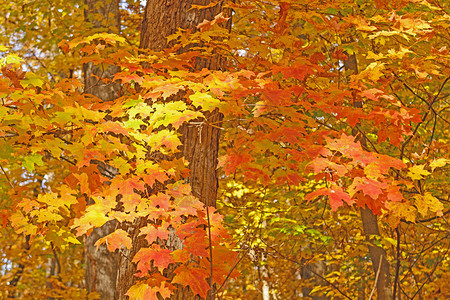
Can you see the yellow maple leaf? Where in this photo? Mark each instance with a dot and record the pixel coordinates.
(400, 210)
(439, 163)
(204, 100)
(417, 172)
(428, 202)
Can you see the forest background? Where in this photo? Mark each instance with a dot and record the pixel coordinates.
(224, 149)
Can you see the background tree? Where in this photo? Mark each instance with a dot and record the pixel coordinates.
(101, 265)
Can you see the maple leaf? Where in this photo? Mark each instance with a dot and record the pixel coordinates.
(197, 243)
(194, 6)
(107, 37)
(188, 205)
(126, 77)
(385, 162)
(115, 240)
(141, 291)
(204, 101)
(144, 291)
(319, 164)
(394, 193)
(206, 25)
(334, 193)
(160, 200)
(94, 217)
(161, 258)
(165, 138)
(236, 159)
(31, 160)
(194, 277)
(398, 211)
(168, 90)
(28, 205)
(439, 163)
(417, 172)
(428, 202)
(154, 173)
(372, 94)
(372, 171)
(345, 144)
(113, 127)
(368, 186)
(223, 259)
(152, 233)
(181, 255)
(298, 71)
(128, 186)
(276, 96)
(31, 79)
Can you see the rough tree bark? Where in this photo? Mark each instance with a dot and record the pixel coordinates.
(104, 16)
(378, 256)
(200, 143)
(101, 265)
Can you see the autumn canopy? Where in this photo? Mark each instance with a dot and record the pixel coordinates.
(224, 149)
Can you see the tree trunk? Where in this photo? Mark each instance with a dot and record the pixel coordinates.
(200, 143)
(380, 264)
(101, 265)
(103, 16)
(378, 256)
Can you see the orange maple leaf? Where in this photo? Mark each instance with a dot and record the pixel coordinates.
(115, 240)
(161, 258)
(194, 277)
(152, 233)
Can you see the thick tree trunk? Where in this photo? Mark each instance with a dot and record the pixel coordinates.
(101, 265)
(200, 142)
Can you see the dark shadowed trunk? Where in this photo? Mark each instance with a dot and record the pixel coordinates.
(200, 142)
(101, 265)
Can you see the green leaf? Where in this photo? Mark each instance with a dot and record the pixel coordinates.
(30, 161)
(11, 59)
(31, 79)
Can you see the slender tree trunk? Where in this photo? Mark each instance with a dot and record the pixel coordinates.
(265, 271)
(200, 143)
(377, 254)
(101, 265)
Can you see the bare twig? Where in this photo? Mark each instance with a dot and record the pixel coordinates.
(7, 177)
(210, 252)
(376, 278)
(397, 265)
